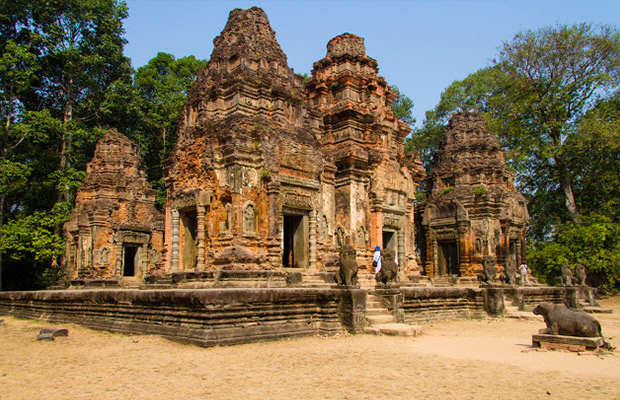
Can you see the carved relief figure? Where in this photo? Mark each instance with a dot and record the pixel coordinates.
(103, 256)
(249, 219)
(361, 237)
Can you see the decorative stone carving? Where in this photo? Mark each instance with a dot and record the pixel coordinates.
(104, 256)
(567, 275)
(580, 274)
(489, 270)
(361, 237)
(562, 321)
(510, 272)
(388, 275)
(347, 274)
(249, 219)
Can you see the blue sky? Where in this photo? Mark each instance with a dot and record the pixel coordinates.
(421, 46)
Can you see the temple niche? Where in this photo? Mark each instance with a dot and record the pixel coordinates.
(472, 208)
(371, 202)
(115, 232)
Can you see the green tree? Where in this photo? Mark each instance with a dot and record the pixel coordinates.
(402, 106)
(555, 76)
(58, 58)
(81, 52)
(474, 93)
(552, 99)
(161, 89)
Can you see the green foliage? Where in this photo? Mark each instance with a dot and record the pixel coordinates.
(36, 234)
(480, 190)
(446, 190)
(474, 93)
(153, 104)
(595, 243)
(402, 107)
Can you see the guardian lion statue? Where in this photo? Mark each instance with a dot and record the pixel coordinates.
(489, 270)
(389, 269)
(580, 274)
(347, 275)
(567, 275)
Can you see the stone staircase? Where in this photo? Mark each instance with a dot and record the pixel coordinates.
(442, 281)
(380, 320)
(132, 283)
(513, 311)
(315, 281)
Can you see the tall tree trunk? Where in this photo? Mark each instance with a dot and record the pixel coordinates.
(5, 145)
(63, 195)
(567, 188)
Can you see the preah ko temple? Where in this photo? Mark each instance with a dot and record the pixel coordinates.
(272, 175)
(278, 193)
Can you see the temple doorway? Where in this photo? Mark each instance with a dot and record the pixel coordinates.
(190, 248)
(295, 241)
(447, 258)
(130, 260)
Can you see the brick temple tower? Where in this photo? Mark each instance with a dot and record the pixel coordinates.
(472, 208)
(115, 231)
(375, 182)
(243, 181)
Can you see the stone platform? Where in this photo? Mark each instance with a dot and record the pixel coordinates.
(570, 343)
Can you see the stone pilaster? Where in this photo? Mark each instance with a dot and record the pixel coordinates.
(200, 220)
(312, 229)
(174, 259)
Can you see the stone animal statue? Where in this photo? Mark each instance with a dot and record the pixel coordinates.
(567, 275)
(509, 276)
(347, 274)
(580, 274)
(562, 321)
(489, 270)
(389, 268)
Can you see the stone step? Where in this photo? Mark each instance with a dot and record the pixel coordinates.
(592, 310)
(394, 329)
(376, 311)
(379, 319)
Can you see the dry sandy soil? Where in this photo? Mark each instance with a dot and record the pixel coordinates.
(467, 359)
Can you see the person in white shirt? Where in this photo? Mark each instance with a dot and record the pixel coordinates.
(376, 260)
(523, 272)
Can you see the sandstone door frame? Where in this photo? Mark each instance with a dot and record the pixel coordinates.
(295, 238)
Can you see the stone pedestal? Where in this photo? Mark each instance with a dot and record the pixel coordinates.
(570, 343)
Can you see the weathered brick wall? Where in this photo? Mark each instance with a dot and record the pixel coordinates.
(201, 317)
(433, 304)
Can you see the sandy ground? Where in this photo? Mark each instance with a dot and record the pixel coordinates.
(467, 359)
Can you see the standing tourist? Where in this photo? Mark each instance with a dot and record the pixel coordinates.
(523, 272)
(376, 260)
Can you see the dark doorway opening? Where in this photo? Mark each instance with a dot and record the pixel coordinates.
(448, 260)
(190, 247)
(295, 242)
(389, 240)
(129, 261)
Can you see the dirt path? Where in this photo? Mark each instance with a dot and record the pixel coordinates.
(468, 359)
